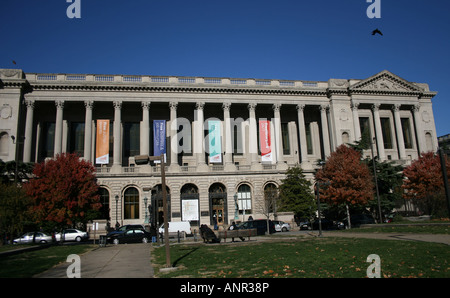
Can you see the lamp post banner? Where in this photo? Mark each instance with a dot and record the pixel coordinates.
(215, 148)
(159, 138)
(264, 140)
(102, 148)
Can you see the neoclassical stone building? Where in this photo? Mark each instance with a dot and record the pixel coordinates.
(228, 142)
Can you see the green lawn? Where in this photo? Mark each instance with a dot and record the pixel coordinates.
(311, 258)
(28, 264)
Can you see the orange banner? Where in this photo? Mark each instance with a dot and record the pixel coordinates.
(102, 148)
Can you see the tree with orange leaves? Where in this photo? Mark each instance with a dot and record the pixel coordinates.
(63, 192)
(350, 180)
(424, 184)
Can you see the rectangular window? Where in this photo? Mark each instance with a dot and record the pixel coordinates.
(364, 126)
(407, 136)
(386, 131)
(131, 137)
(285, 138)
(48, 132)
(77, 138)
(309, 144)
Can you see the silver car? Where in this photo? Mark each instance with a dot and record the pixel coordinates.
(72, 235)
(39, 237)
(281, 226)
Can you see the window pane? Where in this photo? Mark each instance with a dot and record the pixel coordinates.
(285, 138)
(131, 204)
(407, 138)
(386, 131)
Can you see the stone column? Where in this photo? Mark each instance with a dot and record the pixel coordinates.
(253, 138)
(278, 137)
(117, 147)
(399, 130)
(378, 131)
(145, 129)
(174, 167)
(325, 133)
(421, 144)
(88, 130)
(302, 132)
(228, 156)
(199, 137)
(355, 117)
(28, 131)
(58, 127)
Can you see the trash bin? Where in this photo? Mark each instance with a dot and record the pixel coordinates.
(102, 241)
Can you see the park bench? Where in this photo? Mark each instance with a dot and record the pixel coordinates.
(238, 233)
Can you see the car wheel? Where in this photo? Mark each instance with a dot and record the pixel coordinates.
(284, 230)
(43, 242)
(116, 241)
(78, 239)
(144, 240)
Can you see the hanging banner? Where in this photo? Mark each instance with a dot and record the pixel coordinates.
(264, 140)
(102, 148)
(215, 148)
(159, 138)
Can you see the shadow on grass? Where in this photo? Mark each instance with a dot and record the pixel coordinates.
(174, 264)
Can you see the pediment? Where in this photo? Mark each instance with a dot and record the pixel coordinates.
(385, 82)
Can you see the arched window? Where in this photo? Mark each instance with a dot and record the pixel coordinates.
(270, 198)
(244, 199)
(131, 203)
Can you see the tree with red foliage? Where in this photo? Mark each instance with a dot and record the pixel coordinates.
(350, 179)
(424, 184)
(63, 192)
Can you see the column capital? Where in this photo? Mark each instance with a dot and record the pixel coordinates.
(226, 106)
(324, 107)
(117, 105)
(29, 103)
(146, 105)
(59, 104)
(173, 105)
(396, 107)
(376, 106)
(354, 106)
(199, 105)
(252, 106)
(276, 107)
(89, 104)
(416, 108)
(301, 107)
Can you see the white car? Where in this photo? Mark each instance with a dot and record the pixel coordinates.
(72, 235)
(281, 226)
(36, 237)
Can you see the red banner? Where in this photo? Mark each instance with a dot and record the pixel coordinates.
(264, 140)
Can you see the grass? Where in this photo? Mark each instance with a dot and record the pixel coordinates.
(410, 228)
(28, 264)
(310, 258)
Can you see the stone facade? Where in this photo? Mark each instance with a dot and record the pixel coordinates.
(48, 114)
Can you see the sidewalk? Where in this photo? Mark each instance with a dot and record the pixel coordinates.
(112, 261)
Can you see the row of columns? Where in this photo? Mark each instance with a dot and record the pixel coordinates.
(198, 132)
(398, 128)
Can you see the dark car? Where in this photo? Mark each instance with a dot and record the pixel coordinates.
(130, 236)
(259, 224)
(325, 223)
(357, 220)
(122, 230)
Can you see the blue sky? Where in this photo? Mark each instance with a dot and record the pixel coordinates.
(283, 39)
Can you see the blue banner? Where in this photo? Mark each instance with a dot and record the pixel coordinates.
(159, 138)
(215, 147)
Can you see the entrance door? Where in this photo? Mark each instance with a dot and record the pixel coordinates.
(218, 204)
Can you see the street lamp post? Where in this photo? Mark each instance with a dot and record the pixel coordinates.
(318, 203)
(376, 179)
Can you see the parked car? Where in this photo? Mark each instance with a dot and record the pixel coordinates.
(123, 229)
(72, 235)
(357, 220)
(133, 235)
(281, 226)
(175, 226)
(304, 224)
(259, 224)
(37, 237)
(325, 223)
